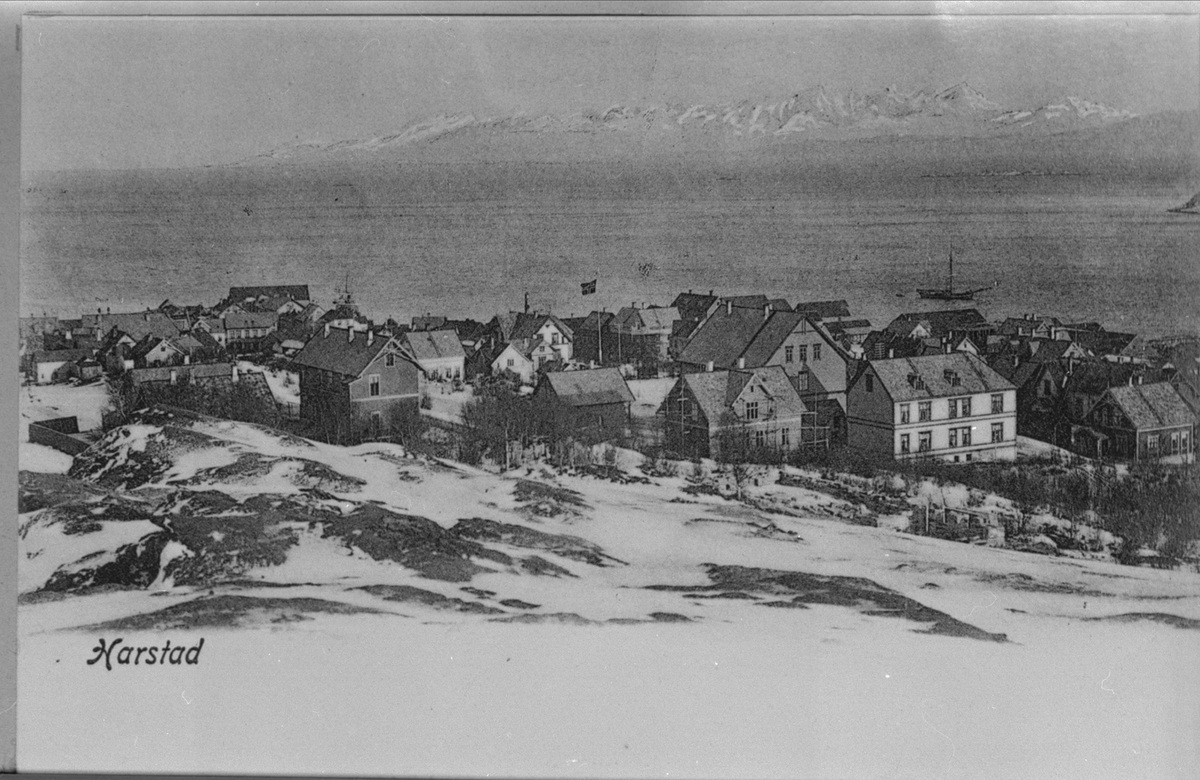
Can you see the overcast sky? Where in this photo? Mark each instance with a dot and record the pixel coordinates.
(157, 92)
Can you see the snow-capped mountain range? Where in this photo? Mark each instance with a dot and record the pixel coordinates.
(816, 112)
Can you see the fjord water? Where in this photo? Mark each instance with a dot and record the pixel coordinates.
(470, 239)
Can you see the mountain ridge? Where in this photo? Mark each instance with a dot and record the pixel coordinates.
(814, 112)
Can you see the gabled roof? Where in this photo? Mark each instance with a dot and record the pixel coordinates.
(940, 322)
(1093, 377)
(428, 322)
(716, 391)
(589, 388)
(723, 337)
(1103, 342)
(138, 324)
(343, 351)
(973, 374)
(766, 342)
(526, 326)
(659, 319)
(434, 344)
(60, 355)
(838, 327)
(824, 310)
(692, 306)
(298, 292)
(251, 319)
(1157, 405)
(148, 345)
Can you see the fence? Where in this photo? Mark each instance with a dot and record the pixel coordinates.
(61, 433)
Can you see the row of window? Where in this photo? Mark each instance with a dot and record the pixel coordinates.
(959, 407)
(1174, 444)
(957, 437)
(790, 353)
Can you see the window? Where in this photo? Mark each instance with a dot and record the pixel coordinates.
(802, 381)
(925, 411)
(997, 432)
(760, 439)
(1046, 387)
(510, 362)
(965, 404)
(870, 383)
(924, 441)
(376, 423)
(390, 360)
(966, 437)
(789, 354)
(803, 350)
(816, 352)
(1175, 443)
(997, 403)
(785, 437)
(953, 442)
(554, 338)
(685, 407)
(752, 410)
(1183, 442)
(953, 408)
(904, 442)
(374, 383)
(905, 413)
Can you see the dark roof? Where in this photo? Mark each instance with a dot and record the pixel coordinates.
(428, 322)
(589, 388)
(1103, 342)
(940, 322)
(251, 319)
(526, 326)
(824, 309)
(199, 371)
(771, 335)
(1093, 377)
(693, 306)
(841, 326)
(298, 292)
(342, 351)
(723, 337)
(60, 355)
(973, 374)
(1157, 405)
(138, 324)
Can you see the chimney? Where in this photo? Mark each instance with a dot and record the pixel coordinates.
(710, 293)
(891, 353)
(146, 316)
(174, 376)
(327, 330)
(728, 306)
(370, 337)
(709, 367)
(741, 363)
(350, 334)
(767, 312)
(233, 375)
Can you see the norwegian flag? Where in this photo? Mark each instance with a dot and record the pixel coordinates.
(588, 288)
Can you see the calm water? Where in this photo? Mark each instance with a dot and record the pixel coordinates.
(471, 239)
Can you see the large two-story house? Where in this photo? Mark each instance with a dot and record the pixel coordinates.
(950, 406)
(356, 384)
(735, 337)
(1139, 422)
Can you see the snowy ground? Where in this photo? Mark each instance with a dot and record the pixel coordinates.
(285, 385)
(592, 672)
(648, 394)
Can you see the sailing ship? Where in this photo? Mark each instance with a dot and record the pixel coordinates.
(948, 293)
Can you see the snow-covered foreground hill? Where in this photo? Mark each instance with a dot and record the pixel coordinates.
(363, 611)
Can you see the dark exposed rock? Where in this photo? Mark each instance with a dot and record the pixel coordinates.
(518, 604)
(409, 595)
(566, 546)
(415, 542)
(1152, 617)
(793, 589)
(229, 611)
(537, 565)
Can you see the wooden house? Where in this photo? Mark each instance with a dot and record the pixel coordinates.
(591, 404)
(949, 406)
(439, 353)
(356, 385)
(1139, 422)
(725, 413)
